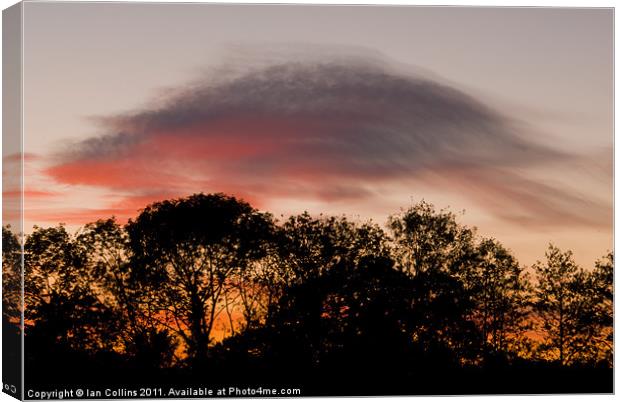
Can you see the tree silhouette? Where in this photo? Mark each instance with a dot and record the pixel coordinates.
(429, 240)
(11, 276)
(207, 286)
(598, 317)
(501, 293)
(58, 292)
(436, 252)
(252, 291)
(313, 255)
(309, 247)
(564, 305)
(12, 325)
(351, 321)
(186, 251)
(604, 285)
(67, 328)
(105, 245)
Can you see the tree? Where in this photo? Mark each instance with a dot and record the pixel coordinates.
(309, 250)
(252, 292)
(430, 240)
(309, 247)
(12, 306)
(61, 304)
(500, 291)
(601, 317)
(563, 304)
(186, 250)
(11, 276)
(352, 319)
(105, 245)
(436, 251)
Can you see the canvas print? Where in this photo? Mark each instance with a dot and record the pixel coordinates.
(226, 200)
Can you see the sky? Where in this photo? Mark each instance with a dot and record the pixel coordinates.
(505, 113)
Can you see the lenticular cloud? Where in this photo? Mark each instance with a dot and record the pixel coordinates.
(322, 130)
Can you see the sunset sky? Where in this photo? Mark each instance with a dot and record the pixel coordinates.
(503, 113)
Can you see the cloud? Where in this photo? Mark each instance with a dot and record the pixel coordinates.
(328, 131)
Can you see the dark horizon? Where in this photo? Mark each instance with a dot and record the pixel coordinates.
(305, 298)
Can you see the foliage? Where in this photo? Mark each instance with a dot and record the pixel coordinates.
(205, 281)
(186, 251)
(61, 305)
(572, 306)
(429, 240)
(11, 275)
(501, 293)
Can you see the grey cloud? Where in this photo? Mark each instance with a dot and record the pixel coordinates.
(355, 121)
(364, 109)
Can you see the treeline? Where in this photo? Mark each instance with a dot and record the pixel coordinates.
(206, 286)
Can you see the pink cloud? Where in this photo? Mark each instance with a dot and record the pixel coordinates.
(324, 132)
(28, 194)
